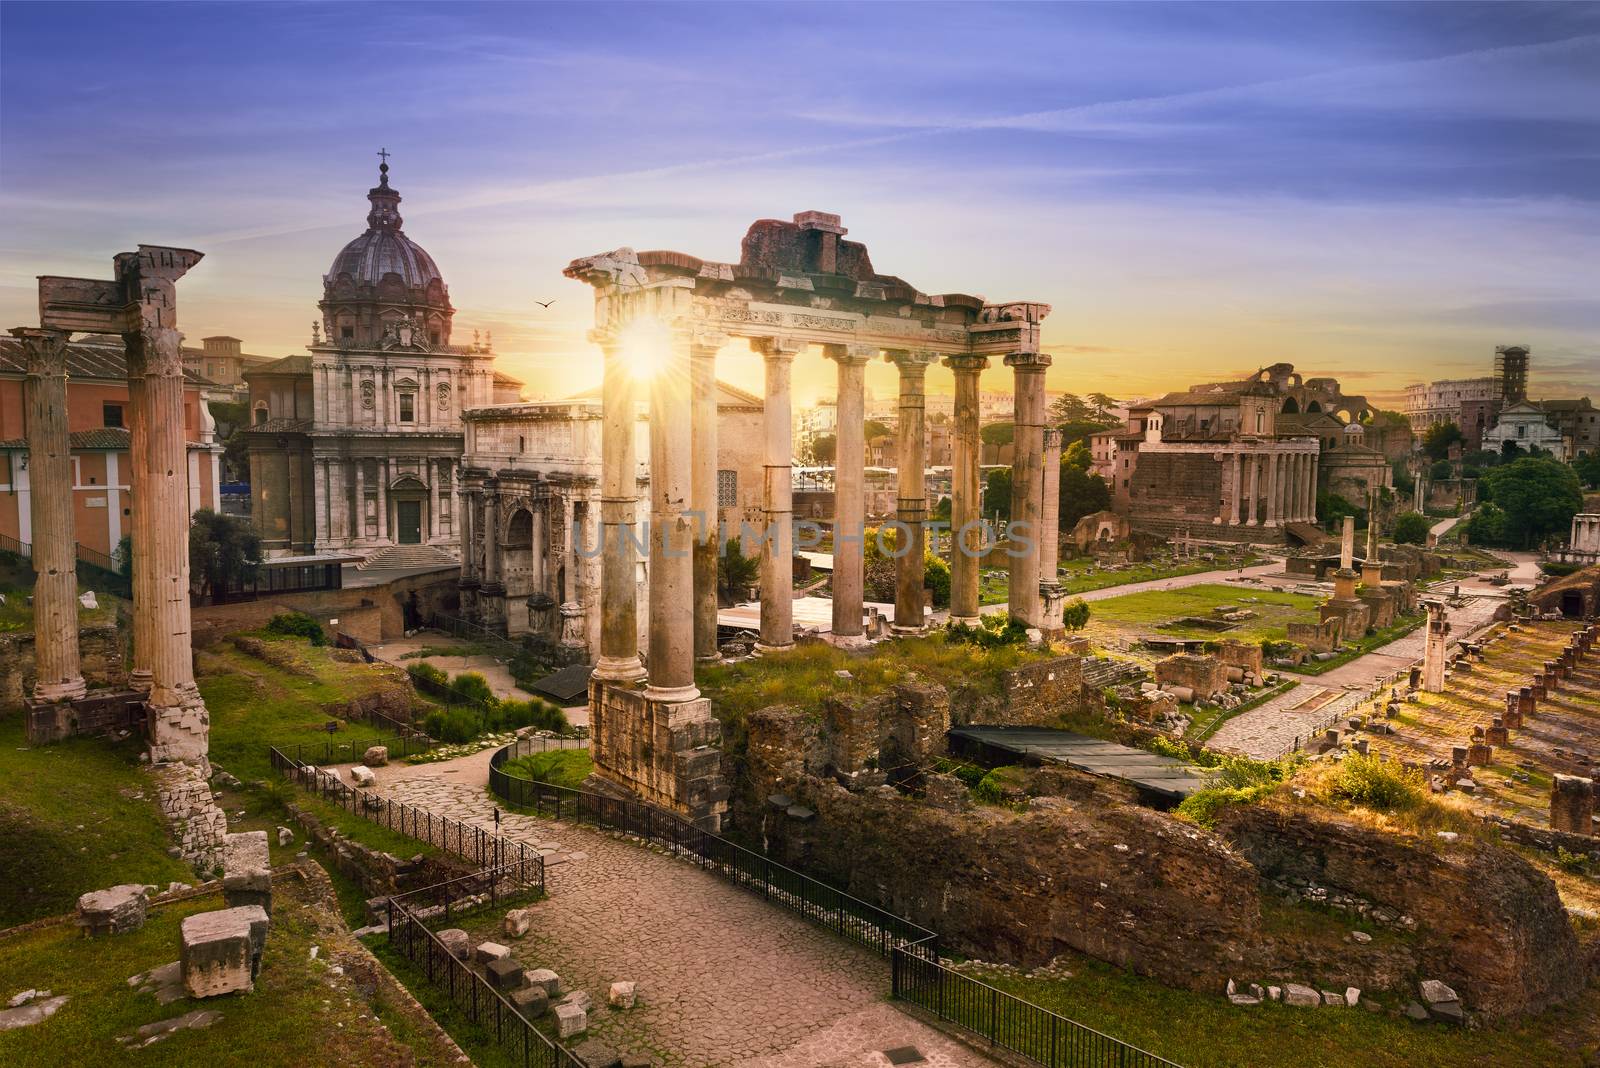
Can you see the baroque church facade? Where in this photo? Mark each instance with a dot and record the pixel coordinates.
(356, 447)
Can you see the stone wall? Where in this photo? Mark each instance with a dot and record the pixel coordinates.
(1247, 657)
(377, 872)
(198, 826)
(1485, 918)
(663, 753)
(1037, 694)
(371, 613)
(103, 650)
(1204, 675)
(864, 739)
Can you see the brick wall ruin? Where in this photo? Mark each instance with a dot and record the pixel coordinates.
(664, 753)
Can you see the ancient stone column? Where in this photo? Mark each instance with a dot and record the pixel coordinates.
(1049, 538)
(1437, 643)
(777, 544)
(1274, 484)
(1252, 488)
(619, 495)
(358, 525)
(670, 654)
(493, 572)
(849, 494)
(55, 554)
(703, 402)
(1347, 544)
(143, 574)
(1236, 490)
(179, 724)
(1027, 469)
(912, 510)
(966, 445)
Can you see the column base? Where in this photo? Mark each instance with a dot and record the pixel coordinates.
(967, 621)
(54, 693)
(849, 641)
(708, 658)
(619, 669)
(179, 727)
(762, 648)
(907, 632)
(671, 695)
(140, 679)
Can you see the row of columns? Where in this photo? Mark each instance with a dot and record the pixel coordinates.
(144, 294)
(339, 482)
(683, 549)
(1269, 488)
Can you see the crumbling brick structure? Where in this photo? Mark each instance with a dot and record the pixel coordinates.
(1572, 804)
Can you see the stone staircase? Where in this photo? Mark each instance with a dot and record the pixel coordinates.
(406, 557)
(1098, 673)
(1309, 534)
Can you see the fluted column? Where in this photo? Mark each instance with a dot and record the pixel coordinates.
(1027, 469)
(1272, 489)
(703, 402)
(777, 549)
(384, 478)
(493, 572)
(55, 556)
(1253, 473)
(670, 654)
(965, 515)
(619, 496)
(911, 464)
(143, 573)
(849, 495)
(1050, 524)
(1236, 497)
(179, 725)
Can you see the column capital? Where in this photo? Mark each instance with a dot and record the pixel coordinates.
(154, 350)
(778, 348)
(1028, 361)
(704, 342)
(47, 349)
(857, 355)
(911, 361)
(966, 362)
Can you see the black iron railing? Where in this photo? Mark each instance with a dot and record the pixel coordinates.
(917, 974)
(473, 844)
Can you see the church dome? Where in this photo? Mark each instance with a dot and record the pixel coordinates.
(383, 280)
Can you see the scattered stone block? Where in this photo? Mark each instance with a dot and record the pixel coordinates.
(31, 1012)
(1352, 996)
(622, 994)
(1416, 1012)
(285, 836)
(579, 998)
(504, 974)
(570, 1020)
(87, 599)
(530, 1000)
(376, 756)
(1360, 937)
(1434, 992)
(593, 1053)
(362, 776)
(1448, 1012)
(1301, 996)
(221, 951)
(517, 923)
(247, 870)
(546, 978)
(456, 942)
(114, 910)
(1334, 998)
(488, 951)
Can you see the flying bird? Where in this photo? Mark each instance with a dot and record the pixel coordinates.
(544, 303)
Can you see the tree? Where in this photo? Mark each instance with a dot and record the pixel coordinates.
(1082, 494)
(997, 494)
(824, 449)
(1487, 526)
(1437, 441)
(1101, 405)
(872, 428)
(1070, 408)
(1333, 507)
(1403, 482)
(1538, 497)
(1077, 455)
(224, 552)
(1075, 432)
(943, 508)
(996, 434)
(1588, 469)
(1441, 470)
(736, 572)
(1412, 529)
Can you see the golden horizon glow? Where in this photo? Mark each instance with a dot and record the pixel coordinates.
(645, 349)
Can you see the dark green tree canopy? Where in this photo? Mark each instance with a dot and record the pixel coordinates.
(1437, 441)
(1536, 498)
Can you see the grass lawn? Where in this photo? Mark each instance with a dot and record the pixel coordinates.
(255, 704)
(300, 1012)
(1394, 631)
(77, 816)
(1076, 580)
(1142, 612)
(1205, 1031)
(16, 583)
(559, 767)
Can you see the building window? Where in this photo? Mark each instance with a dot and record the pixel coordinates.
(347, 332)
(522, 445)
(408, 407)
(727, 489)
(433, 337)
(261, 414)
(1261, 422)
(111, 414)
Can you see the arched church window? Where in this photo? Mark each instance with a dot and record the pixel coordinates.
(408, 407)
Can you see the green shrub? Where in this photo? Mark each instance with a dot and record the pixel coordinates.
(533, 712)
(1204, 806)
(297, 625)
(1412, 529)
(995, 786)
(427, 672)
(452, 724)
(1075, 614)
(472, 686)
(1557, 569)
(1378, 784)
(993, 631)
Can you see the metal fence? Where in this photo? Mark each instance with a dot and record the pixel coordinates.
(94, 565)
(468, 991)
(474, 844)
(458, 627)
(917, 975)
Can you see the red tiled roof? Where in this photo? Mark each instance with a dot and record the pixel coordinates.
(96, 356)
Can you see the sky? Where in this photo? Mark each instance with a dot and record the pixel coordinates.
(1381, 193)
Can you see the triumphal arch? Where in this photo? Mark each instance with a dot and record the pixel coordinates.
(798, 287)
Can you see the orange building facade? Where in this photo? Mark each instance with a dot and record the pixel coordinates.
(97, 412)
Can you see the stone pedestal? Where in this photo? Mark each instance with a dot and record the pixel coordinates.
(1497, 733)
(1572, 804)
(247, 870)
(114, 910)
(663, 752)
(221, 951)
(849, 502)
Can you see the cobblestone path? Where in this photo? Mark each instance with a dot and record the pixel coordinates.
(1270, 730)
(724, 979)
